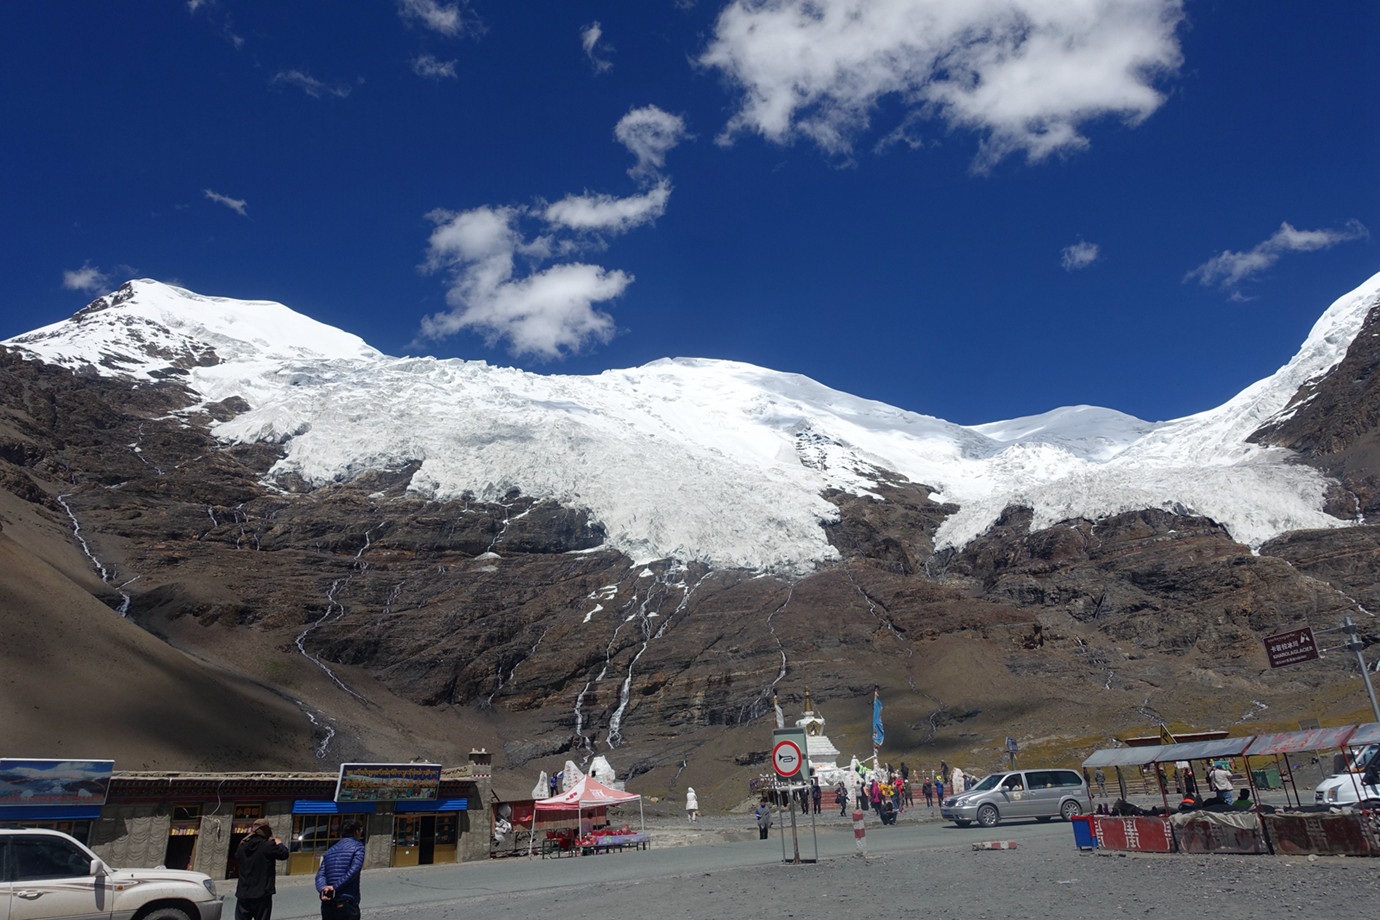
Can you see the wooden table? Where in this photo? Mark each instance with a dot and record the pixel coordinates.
(619, 842)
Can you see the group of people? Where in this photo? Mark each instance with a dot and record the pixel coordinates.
(337, 879)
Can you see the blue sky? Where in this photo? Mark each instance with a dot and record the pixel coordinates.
(975, 210)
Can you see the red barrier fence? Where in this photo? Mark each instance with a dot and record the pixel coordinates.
(1202, 835)
(1325, 835)
(1149, 835)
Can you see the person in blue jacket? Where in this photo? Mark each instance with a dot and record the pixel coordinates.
(337, 881)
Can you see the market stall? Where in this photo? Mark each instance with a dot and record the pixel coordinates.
(1247, 828)
(1130, 832)
(1286, 743)
(583, 800)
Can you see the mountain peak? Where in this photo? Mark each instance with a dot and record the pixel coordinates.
(148, 329)
(692, 458)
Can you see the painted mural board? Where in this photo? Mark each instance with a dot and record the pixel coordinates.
(54, 782)
(388, 782)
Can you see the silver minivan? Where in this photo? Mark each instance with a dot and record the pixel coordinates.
(1041, 794)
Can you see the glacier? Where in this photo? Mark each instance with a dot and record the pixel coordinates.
(694, 459)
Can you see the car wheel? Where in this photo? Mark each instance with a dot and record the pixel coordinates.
(1070, 810)
(987, 816)
(166, 913)
(961, 823)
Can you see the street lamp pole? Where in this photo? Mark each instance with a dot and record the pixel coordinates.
(1356, 645)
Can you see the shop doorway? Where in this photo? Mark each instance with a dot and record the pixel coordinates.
(240, 825)
(424, 839)
(182, 836)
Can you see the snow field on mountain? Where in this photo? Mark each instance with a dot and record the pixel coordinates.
(698, 459)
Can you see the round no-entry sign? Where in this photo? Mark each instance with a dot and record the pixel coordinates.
(786, 759)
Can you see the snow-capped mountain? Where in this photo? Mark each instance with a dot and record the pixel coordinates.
(380, 556)
(694, 459)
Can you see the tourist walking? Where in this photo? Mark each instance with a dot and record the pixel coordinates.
(763, 816)
(928, 789)
(692, 804)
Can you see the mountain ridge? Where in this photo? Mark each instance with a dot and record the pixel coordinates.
(739, 441)
(201, 497)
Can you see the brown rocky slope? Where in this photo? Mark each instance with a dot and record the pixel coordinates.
(304, 627)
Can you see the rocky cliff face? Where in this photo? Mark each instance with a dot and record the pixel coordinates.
(1334, 424)
(389, 622)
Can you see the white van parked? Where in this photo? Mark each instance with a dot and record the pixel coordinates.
(1349, 788)
(1041, 794)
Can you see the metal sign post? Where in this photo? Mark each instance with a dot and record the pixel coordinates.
(788, 759)
(1353, 644)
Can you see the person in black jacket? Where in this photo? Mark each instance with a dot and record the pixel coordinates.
(257, 856)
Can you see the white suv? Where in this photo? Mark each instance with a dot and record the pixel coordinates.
(47, 874)
(1347, 788)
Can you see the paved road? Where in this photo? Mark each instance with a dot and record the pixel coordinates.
(929, 868)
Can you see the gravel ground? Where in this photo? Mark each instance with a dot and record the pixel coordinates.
(921, 866)
(717, 868)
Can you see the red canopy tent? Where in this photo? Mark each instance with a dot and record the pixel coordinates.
(589, 793)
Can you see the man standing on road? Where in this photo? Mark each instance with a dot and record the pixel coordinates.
(337, 881)
(1101, 779)
(255, 856)
(1219, 781)
(763, 816)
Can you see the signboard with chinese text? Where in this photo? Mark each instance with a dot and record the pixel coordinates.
(1293, 647)
(388, 782)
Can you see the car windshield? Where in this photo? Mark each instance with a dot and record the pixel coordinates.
(989, 783)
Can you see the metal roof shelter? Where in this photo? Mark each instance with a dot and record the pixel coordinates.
(1124, 757)
(1364, 734)
(1204, 750)
(1313, 739)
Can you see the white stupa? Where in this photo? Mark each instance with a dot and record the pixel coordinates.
(822, 754)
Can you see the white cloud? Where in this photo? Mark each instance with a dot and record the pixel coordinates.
(597, 53)
(608, 213)
(238, 205)
(649, 134)
(1227, 269)
(548, 313)
(498, 283)
(308, 84)
(428, 66)
(88, 278)
(446, 18)
(1079, 255)
(1023, 74)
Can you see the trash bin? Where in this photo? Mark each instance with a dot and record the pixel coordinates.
(1084, 837)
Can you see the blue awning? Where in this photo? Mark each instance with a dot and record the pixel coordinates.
(49, 812)
(330, 807)
(436, 805)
